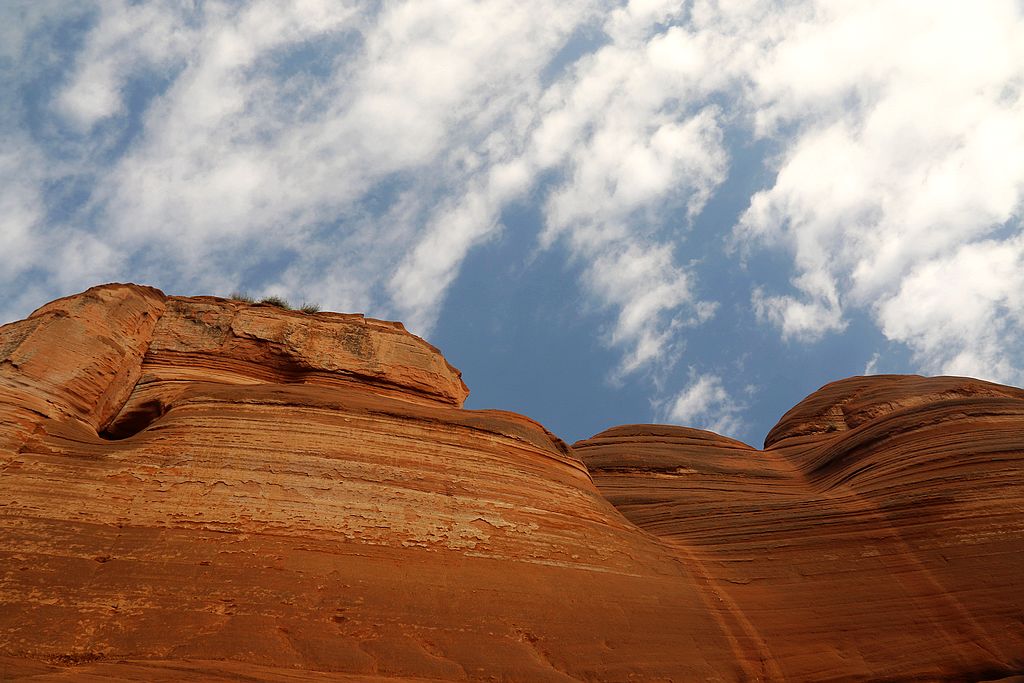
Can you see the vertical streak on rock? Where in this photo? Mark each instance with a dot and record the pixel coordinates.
(877, 536)
(314, 499)
(749, 648)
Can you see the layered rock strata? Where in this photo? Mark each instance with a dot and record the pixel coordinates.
(195, 488)
(878, 536)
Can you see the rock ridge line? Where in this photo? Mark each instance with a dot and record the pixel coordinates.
(200, 488)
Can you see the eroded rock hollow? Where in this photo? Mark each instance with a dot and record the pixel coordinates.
(197, 488)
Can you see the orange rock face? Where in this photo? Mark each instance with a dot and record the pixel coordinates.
(201, 488)
(879, 535)
(194, 488)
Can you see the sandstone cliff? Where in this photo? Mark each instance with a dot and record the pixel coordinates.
(201, 488)
(879, 535)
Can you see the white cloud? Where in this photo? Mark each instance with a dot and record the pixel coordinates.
(135, 40)
(29, 244)
(640, 162)
(422, 120)
(648, 290)
(907, 157)
(21, 204)
(23, 18)
(963, 314)
(807, 320)
(355, 153)
(420, 282)
(705, 404)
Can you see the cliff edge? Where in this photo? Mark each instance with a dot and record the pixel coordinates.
(198, 488)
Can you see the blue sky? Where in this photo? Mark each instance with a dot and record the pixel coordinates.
(602, 212)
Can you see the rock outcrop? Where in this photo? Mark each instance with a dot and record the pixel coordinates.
(879, 535)
(196, 488)
(203, 488)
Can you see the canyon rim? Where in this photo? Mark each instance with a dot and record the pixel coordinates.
(203, 488)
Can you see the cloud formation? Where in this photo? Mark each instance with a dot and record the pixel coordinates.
(901, 187)
(356, 153)
(704, 403)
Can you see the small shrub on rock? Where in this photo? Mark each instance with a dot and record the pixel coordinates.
(276, 301)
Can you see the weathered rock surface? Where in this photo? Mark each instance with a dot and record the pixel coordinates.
(194, 488)
(879, 536)
(201, 488)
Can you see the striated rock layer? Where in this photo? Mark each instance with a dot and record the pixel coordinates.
(879, 535)
(194, 488)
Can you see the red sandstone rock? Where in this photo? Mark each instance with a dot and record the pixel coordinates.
(285, 493)
(879, 536)
(195, 488)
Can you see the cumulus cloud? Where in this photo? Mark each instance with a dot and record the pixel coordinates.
(21, 205)
(648, 290)
(30, 245)
(640, 156)
(355, 153)
(704, 403)
(131, 39)
(21, 213)
(903, 173)
(356, 149)
(962, 314)
(804, 320)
